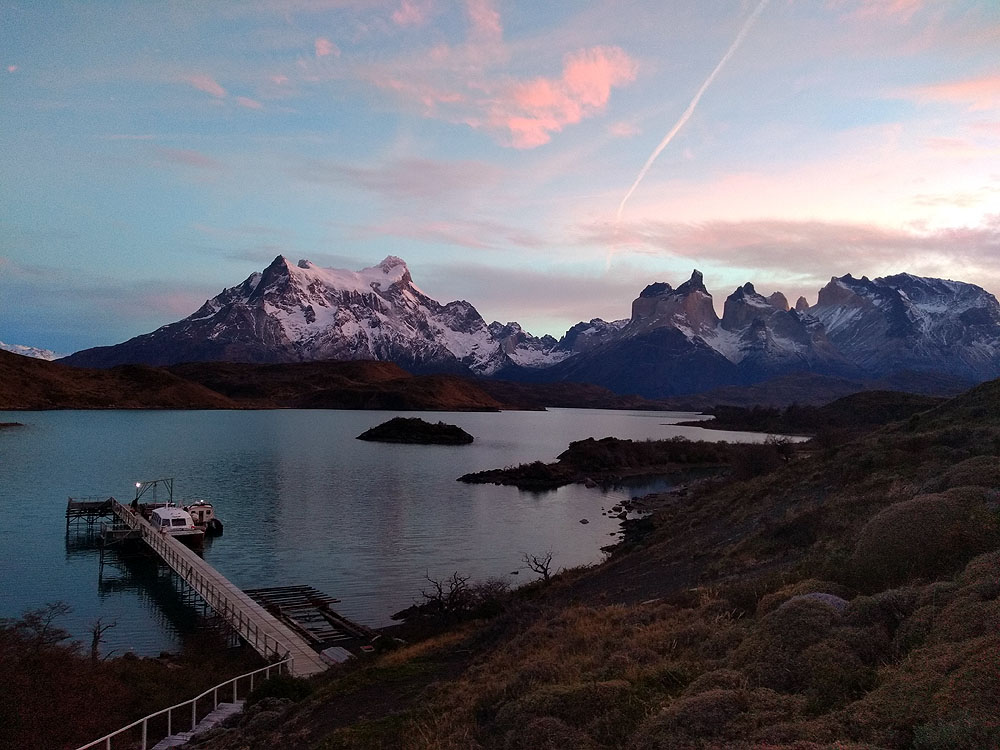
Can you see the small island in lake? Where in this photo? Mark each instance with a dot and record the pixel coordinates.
(416, 430)
(5, 425)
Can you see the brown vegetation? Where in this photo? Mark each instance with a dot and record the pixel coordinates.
(55, 696)
(27, 383)
(611, 459)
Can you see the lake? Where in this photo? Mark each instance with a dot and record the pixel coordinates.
(303, 502)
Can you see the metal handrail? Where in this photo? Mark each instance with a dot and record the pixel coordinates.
(106, 739)
(264, 644)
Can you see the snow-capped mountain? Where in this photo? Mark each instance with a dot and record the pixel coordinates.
(910, 322)
(300, 312)
(673, 343)
(30, 351)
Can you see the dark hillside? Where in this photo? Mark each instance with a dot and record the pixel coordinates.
(337, 385)
(27, 383)
(852, 414)
(847, 599)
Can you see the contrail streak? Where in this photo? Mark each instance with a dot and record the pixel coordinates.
(691, 107)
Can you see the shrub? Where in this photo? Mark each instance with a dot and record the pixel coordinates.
(929, 535)
(282, 687)
(772, 601)
(547, 733)
(714, 718)
(963, 734)
(770, 653)
(833, 674)
(605, 709)
(979, 471)
(718, 679)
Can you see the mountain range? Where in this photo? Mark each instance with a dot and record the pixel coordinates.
(673, 343)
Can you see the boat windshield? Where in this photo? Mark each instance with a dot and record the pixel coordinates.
(178, 522)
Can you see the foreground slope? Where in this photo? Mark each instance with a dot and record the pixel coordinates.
(848, 600)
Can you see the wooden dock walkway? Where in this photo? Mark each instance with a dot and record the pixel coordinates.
(265, 633)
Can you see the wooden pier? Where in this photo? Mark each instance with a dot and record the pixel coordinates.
(307, 611)
(270, 637)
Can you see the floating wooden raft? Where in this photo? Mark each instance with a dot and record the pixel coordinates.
(307, 611)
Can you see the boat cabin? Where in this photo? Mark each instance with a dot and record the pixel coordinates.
(174, 521)
(203, 515)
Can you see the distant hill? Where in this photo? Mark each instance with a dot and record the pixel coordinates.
(337, 385)
(811, 389)
(30, 383)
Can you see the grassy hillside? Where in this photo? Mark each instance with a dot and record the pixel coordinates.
(848, 599)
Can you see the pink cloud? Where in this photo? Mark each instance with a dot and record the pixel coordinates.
(412, 13)
(207, 84)
(12, 68)
(325, 48)
(980, 94)
(188, 157)
(902, 9)
(484, 19)
(521, 114)
(278, 80)
(245, 101)
(804, 248)
(531, 112)
(623, 129)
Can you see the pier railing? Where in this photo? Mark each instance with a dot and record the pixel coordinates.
(219, 598)
(184, 716)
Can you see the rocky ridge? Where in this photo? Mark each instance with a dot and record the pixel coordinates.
(673, 343)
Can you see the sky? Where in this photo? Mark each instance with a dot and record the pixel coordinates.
(542, 159)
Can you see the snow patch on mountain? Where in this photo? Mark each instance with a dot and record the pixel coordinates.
(30, 351)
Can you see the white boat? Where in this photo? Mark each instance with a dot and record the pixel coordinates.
(177, 522)
(204, 517)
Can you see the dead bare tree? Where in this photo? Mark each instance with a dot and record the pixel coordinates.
(97, 631)
(540, 564)
(448, 598)
(38, 626)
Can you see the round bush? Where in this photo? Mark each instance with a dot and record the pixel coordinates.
(930, 535)
(770, 652)
(772, 601)
(979, 471)
(283, 687)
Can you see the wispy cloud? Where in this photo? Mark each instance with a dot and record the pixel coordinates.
(474, 234)
(12, 68)
(623, 129)
(245, 101)
(412, 12)
(484, 20)
(978, 94)
(207, 84)
(902, 10)
(188, 157)
(324, 47)
(812, 248)
(405, 179)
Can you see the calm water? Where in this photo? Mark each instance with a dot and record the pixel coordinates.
(303, 502)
